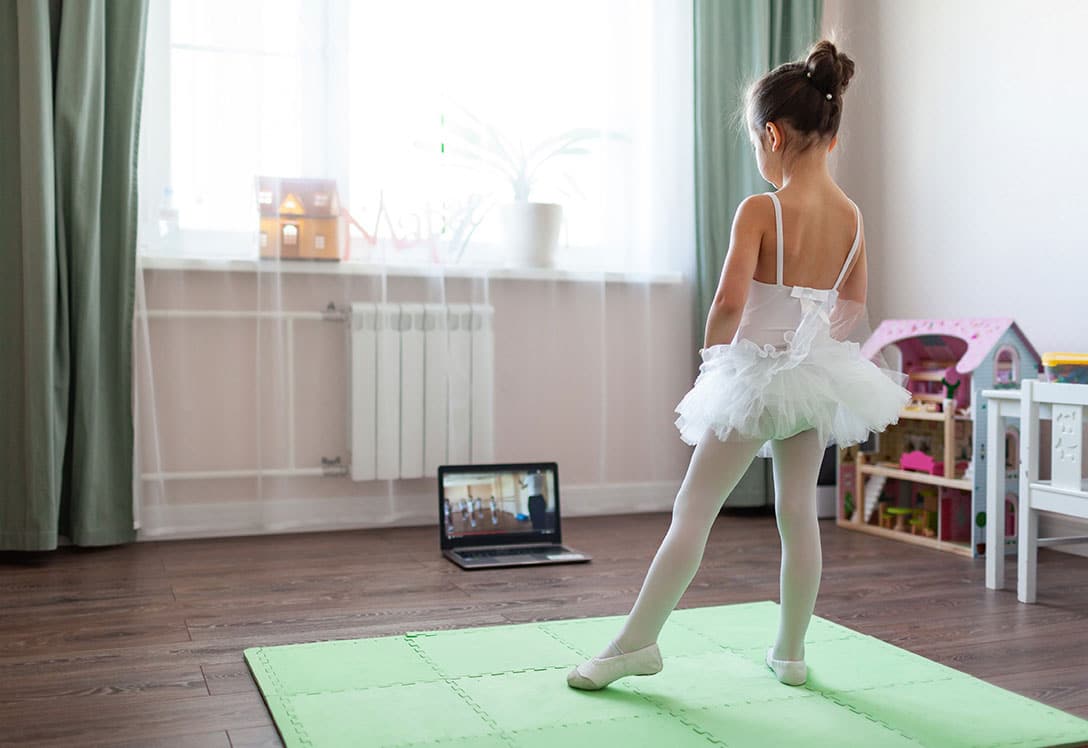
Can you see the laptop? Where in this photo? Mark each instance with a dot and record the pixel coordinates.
(493, 516)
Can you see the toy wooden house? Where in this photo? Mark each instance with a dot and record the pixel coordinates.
(300, 219)
(923, 479)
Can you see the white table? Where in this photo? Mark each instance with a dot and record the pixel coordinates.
(1000, 404)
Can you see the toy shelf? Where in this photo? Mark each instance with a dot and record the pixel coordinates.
(921, 415)
(924, 415)
(859, 522)
(876, 468)
(911, 475)
(962, 549)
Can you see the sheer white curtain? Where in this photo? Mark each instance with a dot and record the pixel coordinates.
(419, 112)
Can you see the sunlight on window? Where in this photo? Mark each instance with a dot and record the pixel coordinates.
(430, 116)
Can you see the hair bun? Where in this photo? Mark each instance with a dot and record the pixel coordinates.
(829, 69)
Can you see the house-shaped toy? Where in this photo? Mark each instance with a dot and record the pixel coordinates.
(923, 479)
(300, 219)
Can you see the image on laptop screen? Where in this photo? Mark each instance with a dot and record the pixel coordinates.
(498, 503)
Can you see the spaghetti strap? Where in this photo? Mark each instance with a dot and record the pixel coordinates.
(853, 249)
(778, 238)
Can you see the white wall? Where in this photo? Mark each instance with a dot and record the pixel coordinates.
(963, 143)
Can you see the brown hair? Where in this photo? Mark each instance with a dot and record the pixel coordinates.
(807, 94)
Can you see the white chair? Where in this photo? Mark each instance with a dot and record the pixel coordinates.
(1066, 492)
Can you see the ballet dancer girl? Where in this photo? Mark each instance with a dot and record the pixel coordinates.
(778, 376)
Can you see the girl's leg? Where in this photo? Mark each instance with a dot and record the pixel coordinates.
(715, 469)
(796, 466)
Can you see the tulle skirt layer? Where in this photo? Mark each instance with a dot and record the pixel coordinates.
(765, 393)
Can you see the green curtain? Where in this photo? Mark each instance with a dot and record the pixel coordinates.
(71, 73)
(736, 41)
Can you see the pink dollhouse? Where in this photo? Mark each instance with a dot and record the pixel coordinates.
(930, 466)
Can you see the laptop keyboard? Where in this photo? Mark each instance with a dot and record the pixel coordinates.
(490, 553)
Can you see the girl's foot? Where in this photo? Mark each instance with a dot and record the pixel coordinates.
(790, 672)
(597, 672)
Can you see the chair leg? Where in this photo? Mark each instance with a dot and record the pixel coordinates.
(1026, 553)
(1027, 528)
(995, 497)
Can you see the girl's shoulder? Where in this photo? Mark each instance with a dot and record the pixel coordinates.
(755, 211)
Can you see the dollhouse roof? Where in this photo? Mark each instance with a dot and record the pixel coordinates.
(980, 335)
(305, 198)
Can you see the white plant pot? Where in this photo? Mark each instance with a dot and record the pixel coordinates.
(532, 232)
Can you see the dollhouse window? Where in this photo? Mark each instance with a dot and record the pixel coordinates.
(319, 241)
(290, 235)
(291, 205)
(264, 239)
(1006, 366)
(1012, 449)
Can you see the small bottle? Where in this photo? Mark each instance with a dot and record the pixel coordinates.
(168, 215)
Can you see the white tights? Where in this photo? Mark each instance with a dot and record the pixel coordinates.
(716, 468)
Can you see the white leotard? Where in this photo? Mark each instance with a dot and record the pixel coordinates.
(774, 309)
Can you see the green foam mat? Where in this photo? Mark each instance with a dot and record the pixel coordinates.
(505, 687)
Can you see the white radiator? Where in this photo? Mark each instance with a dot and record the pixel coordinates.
(422, 388)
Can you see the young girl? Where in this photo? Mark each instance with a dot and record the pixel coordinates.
(777, 373)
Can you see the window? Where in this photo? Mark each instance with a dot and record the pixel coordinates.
(290, 235)
(1012, 449)
(1006, 366)
(1010, 516)
(421, 111)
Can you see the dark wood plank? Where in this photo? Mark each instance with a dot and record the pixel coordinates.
(161, 679)
(1064, 687)
(60, 637)
(142, 644)
(127, 718)
(255, 737)
(230, 677)
(203, 740)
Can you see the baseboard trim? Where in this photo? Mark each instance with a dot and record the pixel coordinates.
(255, 517)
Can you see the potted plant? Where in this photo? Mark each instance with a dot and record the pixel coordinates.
(531, 228)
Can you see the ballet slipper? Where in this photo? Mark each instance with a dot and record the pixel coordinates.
(790, 672)
(597, 672)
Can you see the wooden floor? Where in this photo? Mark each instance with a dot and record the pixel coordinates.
(142, 645)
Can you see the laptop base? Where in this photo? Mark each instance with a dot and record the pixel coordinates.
(472, 559)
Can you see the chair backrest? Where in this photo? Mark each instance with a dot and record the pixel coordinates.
(1067, 403)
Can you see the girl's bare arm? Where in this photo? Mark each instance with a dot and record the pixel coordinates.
(737, 273)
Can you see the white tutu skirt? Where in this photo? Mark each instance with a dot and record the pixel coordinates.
(767, 393)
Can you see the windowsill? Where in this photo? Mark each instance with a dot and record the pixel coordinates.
(489, 272)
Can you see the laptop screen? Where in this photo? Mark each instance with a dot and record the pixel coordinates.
(485, 504)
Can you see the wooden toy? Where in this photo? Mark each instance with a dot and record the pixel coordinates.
(918, 460)
(300, 219)
(924, 519)
(923, 479)
(900, 514)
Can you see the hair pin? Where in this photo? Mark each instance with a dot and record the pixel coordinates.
(808, 74)
(829, 97)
